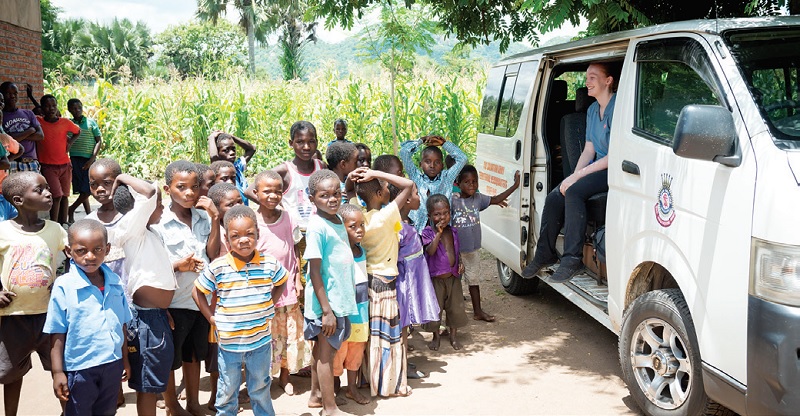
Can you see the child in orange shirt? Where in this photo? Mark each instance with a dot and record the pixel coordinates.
(53, 157)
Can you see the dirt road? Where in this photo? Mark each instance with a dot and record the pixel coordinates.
(543, 356)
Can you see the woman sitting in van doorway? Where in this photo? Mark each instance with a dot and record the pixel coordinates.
(567, 202)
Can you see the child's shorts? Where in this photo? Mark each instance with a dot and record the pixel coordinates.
(472, 267)
(451, 301)
(313, 327)
(212, 358)
(59, 178)
(80, 176)
(348, 357)
(190, 336)
(20, 336)
(94, 390)
(151, 351)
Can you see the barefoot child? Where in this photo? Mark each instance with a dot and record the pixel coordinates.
(30, 251)
(296, 172)
(222, 146)
(330, 290)
(351, 354)
(431, 177)
(245, 281)
(278, 236)
(82, 154)
(151, 286)
(466, 208)
(59, 134)
(190, 232)
(87, 322)
(387, 354)
(441, 252)
(342, 157)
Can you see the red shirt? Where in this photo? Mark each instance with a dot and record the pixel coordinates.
(53, 149)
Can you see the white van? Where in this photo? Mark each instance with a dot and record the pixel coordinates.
(701, 278)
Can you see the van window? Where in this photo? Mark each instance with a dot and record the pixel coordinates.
(769, 60)
(672, 74)
(506, 90)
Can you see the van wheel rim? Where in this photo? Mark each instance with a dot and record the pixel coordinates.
(505, 274)
(661, 364)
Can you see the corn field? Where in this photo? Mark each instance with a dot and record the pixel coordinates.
(147, 125)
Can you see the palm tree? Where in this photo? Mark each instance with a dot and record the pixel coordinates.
(295, 35)
(251, 16)
(114, 49)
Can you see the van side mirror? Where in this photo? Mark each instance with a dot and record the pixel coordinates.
(706, 132)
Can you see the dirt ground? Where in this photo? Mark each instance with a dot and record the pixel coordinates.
(543, 356)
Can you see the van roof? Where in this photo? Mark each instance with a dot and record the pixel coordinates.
(702, 25)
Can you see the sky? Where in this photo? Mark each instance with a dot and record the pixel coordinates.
(159, 14)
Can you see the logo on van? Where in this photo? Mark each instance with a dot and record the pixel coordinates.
(665, 210)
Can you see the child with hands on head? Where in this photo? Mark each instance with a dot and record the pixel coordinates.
(466, 207)
(222, 146)
(330, 291)
(30, 250)
(246, 281)
(150, 288)
(431, 177)
(86, 319)
(442, 253)
(278, 237)
(190, 231)
(387, 353)
(416, 298)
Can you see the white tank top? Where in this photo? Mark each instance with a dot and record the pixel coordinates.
(296, 200)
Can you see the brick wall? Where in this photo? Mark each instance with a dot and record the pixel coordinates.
(21, 59)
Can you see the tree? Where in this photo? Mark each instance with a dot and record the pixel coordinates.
(251, 17)
(484, 21)
(393, 43)
(295, 35)
(115, 50)
(202, 49)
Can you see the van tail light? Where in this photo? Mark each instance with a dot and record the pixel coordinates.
(775, 272)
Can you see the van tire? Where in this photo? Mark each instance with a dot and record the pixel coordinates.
(513, 283)
(676, 361)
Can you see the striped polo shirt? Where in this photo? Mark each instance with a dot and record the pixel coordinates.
(244, 299)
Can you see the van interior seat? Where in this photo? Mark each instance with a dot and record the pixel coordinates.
(573, 139)
(557, 107)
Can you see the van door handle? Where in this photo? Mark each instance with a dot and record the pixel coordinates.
(630, 167)
(518, 150)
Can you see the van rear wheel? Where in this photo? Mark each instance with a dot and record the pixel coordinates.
(660, 358)
(513, 283)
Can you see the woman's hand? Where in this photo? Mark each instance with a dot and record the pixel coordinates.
(566, 183)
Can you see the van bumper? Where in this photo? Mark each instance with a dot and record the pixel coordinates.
(773, 358)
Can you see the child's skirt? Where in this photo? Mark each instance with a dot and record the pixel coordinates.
(387, 355)
(415, 295)
(289, 348)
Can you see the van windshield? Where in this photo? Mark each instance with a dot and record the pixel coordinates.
(769, 60)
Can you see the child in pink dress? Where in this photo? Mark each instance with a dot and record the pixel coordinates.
(278, 235)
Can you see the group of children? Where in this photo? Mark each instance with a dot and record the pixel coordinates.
(330, 271)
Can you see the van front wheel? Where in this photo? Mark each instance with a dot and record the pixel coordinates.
(513, 283)
(659, 355)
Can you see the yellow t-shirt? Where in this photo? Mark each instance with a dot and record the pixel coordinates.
(29, 262)
(382, 239)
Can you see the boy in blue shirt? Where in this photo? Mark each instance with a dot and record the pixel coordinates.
(86, 320)
(222, 146)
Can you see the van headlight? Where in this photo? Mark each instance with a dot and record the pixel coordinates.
(775, 272)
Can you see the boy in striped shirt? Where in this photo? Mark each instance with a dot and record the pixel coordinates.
(246, 282)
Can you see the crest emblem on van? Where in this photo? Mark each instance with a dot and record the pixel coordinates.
(665, 207)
